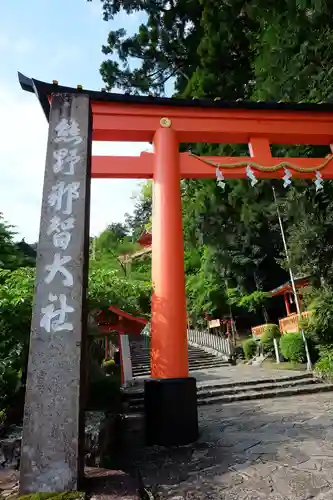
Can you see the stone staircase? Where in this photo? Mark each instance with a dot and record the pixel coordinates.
(222, 393)
(218, 391)
(198, 358)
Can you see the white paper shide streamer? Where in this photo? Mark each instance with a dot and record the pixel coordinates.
(287, 176)
(319, 181)
(220, 178)
(251, 176)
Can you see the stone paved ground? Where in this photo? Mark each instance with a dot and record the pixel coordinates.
(272, 449)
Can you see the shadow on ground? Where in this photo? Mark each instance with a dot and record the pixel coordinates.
(273, 449)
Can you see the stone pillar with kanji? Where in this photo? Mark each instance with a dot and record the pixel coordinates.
(53, 427)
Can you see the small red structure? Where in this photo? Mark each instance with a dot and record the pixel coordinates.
(287, 291)
(290, 324)
(121, 323)
(145, 239)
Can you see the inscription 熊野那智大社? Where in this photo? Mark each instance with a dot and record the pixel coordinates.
(55, 316)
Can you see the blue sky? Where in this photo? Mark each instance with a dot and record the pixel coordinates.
(47, 40)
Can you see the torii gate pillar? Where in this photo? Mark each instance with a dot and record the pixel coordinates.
(170, 397)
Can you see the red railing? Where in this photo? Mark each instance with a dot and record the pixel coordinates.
(290, 324)
(257, 331)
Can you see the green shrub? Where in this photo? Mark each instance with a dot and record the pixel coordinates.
(292, 347)
(324, 366)
(311, 338)
(271, 332)
(250, 348)
(320, 324)
(16, 296)
(110, 367)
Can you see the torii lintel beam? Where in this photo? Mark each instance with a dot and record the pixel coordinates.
(142, 167)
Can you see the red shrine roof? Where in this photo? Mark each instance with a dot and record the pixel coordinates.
(43, 90)
(128, 316)
(145, 239)
(120, 322)
(300, 282)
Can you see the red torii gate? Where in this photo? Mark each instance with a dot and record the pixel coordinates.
(167, 123)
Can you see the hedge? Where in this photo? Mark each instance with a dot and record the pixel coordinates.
(250, 348)
(110, 367)
(292, 347)
(271, 332)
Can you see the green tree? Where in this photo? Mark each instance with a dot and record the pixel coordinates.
(293, 60)
(11, 256)
(188, 42)
(275, 50)
(162, 47)
(16, 296)
(107, 287)
(140, 220)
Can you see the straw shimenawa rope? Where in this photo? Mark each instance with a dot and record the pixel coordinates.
(262, 168)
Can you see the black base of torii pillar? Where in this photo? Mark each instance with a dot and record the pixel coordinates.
(52, 455)
(171, 411)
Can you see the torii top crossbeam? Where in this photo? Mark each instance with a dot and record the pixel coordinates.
(121, 117)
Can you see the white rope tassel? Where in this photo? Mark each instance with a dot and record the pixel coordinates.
(251, 176)
(319, 181)
(287, 176)
(220, 178)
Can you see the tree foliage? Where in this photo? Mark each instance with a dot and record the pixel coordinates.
(107, 287)
(259, 50)
(13, 255)
(111, 282)
(16, 296)
(140, 219)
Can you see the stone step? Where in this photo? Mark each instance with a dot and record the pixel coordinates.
(146, 362)
(204, 391)
(271, 393)
(108, 484)
(146, 351)
(217, 361)
(222, 391)
(197, 352)
(140, 371)
(200, 354)
(191, 359)
(137, 405)
(243, 386)
(146, 347)
(202, 386)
